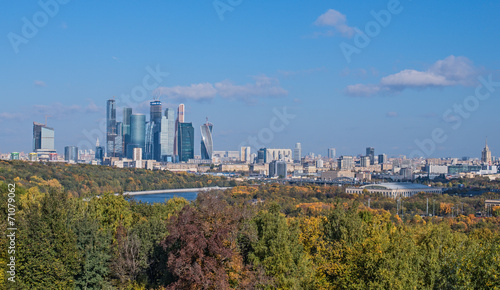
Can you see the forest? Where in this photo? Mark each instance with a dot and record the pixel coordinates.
(267, 236)
(81, 180)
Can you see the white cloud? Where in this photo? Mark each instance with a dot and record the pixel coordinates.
(39, 83)
(451, 71)
(12, 116)
(337, 20)
(60, 111)
(197, 92)
(262, 87)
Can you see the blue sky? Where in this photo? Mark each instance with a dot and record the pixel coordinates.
(240, 66)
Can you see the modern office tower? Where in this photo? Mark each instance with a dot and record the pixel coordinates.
(14, 156)
(345, 163)
(319, 163)
(111, 128)
(277, 169)
(185, 139)
(137, 133)
(155, 111)
(382, 159)
(332, 153)
(100, 151)
(365, 161)
(165, 150)
(207, 145)
(149, 141)
(370, 152)
(180, 119)
(297, 153)
(262, 155)
(71, 154)
(119, 139)
(126, 129)
(486, 154)
(153, 131)
(245, 154)
(43, 138)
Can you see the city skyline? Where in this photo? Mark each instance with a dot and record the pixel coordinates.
(392, 95)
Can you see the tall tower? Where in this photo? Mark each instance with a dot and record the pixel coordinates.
(185, 140)
(155, 112)
(180, 119)
(206, 141)
(297, 153)
(137, 133)
(126, 128)
(486, 154)
(370, 152)
(43, 138)
(111, 127)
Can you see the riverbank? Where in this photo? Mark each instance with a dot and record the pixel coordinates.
(179, 190)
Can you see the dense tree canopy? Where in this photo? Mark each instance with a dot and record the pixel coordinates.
(266, 236)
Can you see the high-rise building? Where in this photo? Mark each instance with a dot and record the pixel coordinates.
(153, 132)
(111, 128)
(155, 110)
(180, 119)
(262, 155)
(119, 139)
(345, 163)
(486, 154)
(382, 159)
(365, 161)
(14, 156)
(126, 129)
(185, 139)
(100, 151)
(165, 148)
(149, 141)
(297, 153)
(370, 152)
(277, 169)
(207, 145)
(245, 154)
(332, 153)
(71, 154)
(137, 133)
(43, 138)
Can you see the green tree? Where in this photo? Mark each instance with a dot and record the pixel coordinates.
(279, 251)
(48, 257)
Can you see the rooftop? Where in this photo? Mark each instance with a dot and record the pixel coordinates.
(395, 185)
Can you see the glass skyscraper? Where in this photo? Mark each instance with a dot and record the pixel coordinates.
(43, 138)
(185, 140)
(207, 145)
(126, 128)
(165, 148)
(71, 153)
(297, 153)
(111, 128)
(137, 133)
(180, 119)
(370, 152)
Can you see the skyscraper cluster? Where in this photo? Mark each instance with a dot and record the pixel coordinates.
(164, 138)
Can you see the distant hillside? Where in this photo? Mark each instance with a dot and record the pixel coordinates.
(83, 179)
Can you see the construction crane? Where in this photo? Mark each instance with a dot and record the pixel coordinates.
(46, 116)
